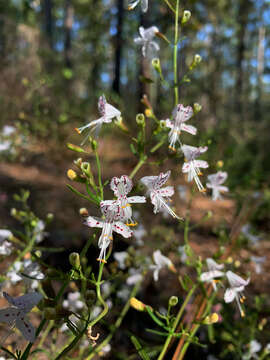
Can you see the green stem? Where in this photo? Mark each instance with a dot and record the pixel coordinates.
(45, 333)
(193, 332)
(100, 298)
(25, 251)
(116, 325)
(170, 5)
(99, 175)
(157, 146)
(186, 230)
(137, 168)
(175, 51)
(176, 321)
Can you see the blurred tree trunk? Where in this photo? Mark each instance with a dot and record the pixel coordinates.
(48, 21)
(144, 70)
(69, 13)
(242, 20)
(118, 46)
(260, 70)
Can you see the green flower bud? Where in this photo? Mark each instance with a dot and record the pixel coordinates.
(140, 119)
(74, 260)
(78, 162)
(173, 301)
(13, 212)
(196, 60)
(94, 144)
(186, 16)
(197, 108)
(86, 169)
(50, 217)
(75, 148)
(156, 65)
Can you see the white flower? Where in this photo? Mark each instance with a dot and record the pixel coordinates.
(160, 262)
(182, 252)
(181, 114)
(215, 181)
(8, 130)
(39, 231)
(159, 196)
(95, 312)
(123, 294)
(121, 257)
(253, 347)
(134, 276)
(5, 246)
(15, 315)
(258, 261)
(139, 233)
(121, 187)
(109, 225)
(214, 272)
(73, 302)
(192, 166)
(12, 275)
(246, 231)
(149, 47)
(237, 286)
(32, 270)
(133, 3)
(5, 145)
(107, 112)
(21, 271)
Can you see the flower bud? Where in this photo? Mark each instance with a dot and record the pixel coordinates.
(137, 304)
(186, 16)
(71, 174)
(83, 212)
(140, 119)
(86, 169)
(220, 163)
(49, 217)
(196, 60)
(13, 212)
(211, 319)
(75, 148)
(148, 113)
(74, 260)
(173, 301)
(197, 108)
(78, 162)
(94, 144)
(156, 64)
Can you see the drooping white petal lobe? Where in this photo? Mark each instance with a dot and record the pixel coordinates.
(229, 295)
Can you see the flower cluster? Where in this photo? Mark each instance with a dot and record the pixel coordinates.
(118, 213)
(236, 283)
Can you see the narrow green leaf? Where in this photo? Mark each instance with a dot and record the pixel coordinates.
(139, 348)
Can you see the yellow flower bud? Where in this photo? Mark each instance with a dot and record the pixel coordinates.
(148, 112)
(137, 304)
(211, 319)
(71, 174)
(83, 212)
(220, 164)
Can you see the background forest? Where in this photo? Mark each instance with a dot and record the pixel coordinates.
(57, 57)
